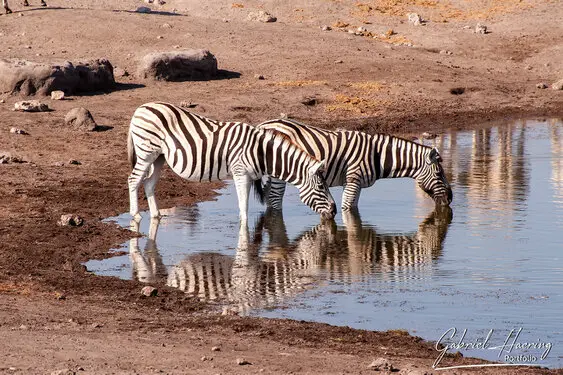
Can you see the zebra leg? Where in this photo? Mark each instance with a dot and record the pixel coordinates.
(25, 3)
(150, 183)
(276, 190)
(242, 184)
(6, 7)
(350, 196)
(43, 3)
(136, 177)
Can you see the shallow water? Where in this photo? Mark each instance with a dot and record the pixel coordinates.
(493, 266)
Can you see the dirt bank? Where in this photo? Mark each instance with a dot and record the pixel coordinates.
(55, 315)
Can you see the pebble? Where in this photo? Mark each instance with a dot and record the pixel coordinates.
(382, 364)
(541, 85)
(74, 162)
(557, 85)
(446, 52)
(31, 106)
(480, 29)
(427, 135)
(326, 28)
(261, 16)
(216, 349)
(338, 61)
(149, 291)
(415, 19)
(242, 362)
(206, 358)
(259, 76)
(70, 220)
(166, 26)
(18, 131)
(159, 37)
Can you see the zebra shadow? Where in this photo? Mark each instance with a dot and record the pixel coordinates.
(269, 268)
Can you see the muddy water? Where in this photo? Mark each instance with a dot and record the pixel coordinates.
(492, 266)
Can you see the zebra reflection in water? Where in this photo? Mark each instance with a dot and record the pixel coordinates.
(269, 268)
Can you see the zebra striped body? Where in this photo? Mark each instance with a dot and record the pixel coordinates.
(262, 275)
(25, 3)
(200, 149)
(356, 160)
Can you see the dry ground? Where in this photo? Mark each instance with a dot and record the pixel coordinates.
(397, 83)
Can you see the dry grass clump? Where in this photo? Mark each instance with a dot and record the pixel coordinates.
(354, 104)
(298, 83)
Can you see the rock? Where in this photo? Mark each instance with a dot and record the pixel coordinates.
(457, 90)
(28, 78)
(445, 52)
(57, 95)
(149, 291)
(557, 85)
(338, 61)
(259, 76)
(261, 16)
(310, 101)
(187, 104)
(143, 10)
(96, 325)
(74, 162)
(70, 220)
(149, 1)
(326, 28)
(179, 65)
(206, 358)
(18, 131)
(382, 364)
(31, 106)
(480, 29)
(159, 37)
(80, 119)
(415, 19)
(216, 349)
(63, 372)
(166, 26)
(242, 362)
(120, 72)
(542, 85)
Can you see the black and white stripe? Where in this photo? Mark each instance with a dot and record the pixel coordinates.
(262, 275)
(25, 4)
(200, 149)
(356, 160)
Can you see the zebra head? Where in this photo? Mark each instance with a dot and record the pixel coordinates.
(433, 181)
(314, 191)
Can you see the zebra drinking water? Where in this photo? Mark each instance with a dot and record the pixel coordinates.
(356, 160)
(25, 4)
(198, 149)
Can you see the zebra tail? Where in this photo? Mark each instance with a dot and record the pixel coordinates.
(131, 150)
(259, 191)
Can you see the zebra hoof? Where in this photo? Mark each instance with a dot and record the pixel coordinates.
(8, 10)
(136, 216)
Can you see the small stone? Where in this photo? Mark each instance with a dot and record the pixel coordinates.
(415, 19)
(159, 37)
(162, 2)
(23, 327)
(481, 29)
(261, 16)
(259, 76)
(143, 10)
(206, 358)
(70, 220)
(309, 101)
(27, 47)
(96, 325)
(120, 72)
(242, 362)
(60, 296)
(338, 61)
(187, 104)
(149, 1)
(457, 90)
(149, 291)
(557, 85)
(166, 26)
(57, 95)
(63, 372)
(74, 162)
(542, 85)
(361, 30)
(2, 101)
(31, 106)
(18, 131)
(326, 28)
(284, 115)
(7, 158)
(446, 52)
(382, 364)
(216, 349)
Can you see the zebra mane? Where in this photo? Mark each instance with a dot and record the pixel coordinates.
(286, 140)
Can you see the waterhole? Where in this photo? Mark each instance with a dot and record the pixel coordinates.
(489, 271)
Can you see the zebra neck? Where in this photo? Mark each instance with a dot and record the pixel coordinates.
(283, 160)
(397, 157)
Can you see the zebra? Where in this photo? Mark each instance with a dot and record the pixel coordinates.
(198, 148)
(264, 274)
(25, 4)
(356, 160)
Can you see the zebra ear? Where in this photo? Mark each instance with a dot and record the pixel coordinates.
(318, 167)
(434, 156)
